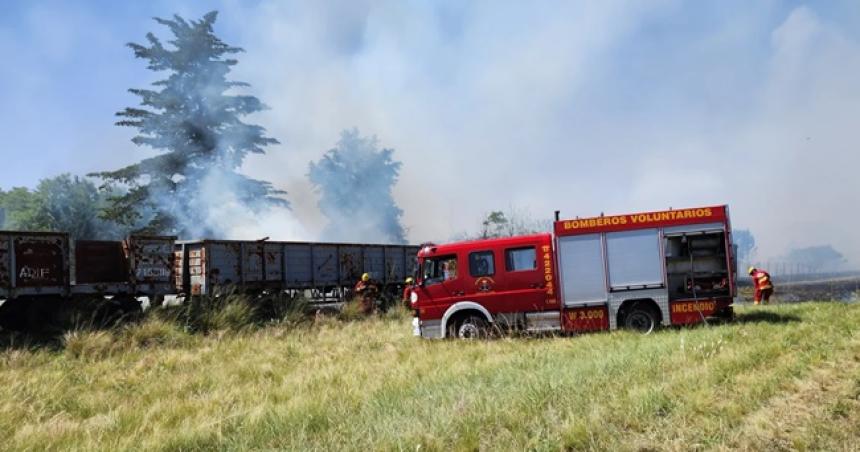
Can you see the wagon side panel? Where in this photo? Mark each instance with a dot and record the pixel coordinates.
(273, 261)
(395, 269)
(411, 259)
(325, 265)
(374, 262)
(41, 263)
(151, 262)
(223, 265)
(350, 260)
(252, 263)
(299, 271)
(100, 262)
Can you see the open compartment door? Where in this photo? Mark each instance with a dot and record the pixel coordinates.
(697, 264)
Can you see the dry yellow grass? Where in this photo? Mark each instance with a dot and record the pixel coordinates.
(784, 377)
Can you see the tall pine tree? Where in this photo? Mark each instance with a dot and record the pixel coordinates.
(355, 181)
(194, 124)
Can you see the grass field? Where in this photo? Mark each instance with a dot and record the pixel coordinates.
(781, 377)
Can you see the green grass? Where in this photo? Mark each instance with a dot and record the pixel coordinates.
(783, 377)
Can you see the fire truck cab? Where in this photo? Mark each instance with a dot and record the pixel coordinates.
(636, 271)
(464, 288)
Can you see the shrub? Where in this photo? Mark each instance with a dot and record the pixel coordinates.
(89, 344)
(352, 310)
(234, 314)
(230, 310)
(281, 307)
(398, 312)
(233, 310)
(154, 332)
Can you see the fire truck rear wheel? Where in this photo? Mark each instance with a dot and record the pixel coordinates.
(642, 319)
(471, 327)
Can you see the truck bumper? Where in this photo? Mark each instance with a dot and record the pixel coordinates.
(428, 329)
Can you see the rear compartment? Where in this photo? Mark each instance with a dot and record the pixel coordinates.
(698, 272)
(669, 267)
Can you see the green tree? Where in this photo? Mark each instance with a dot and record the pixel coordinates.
(63, 203)
(22, 210)
(494, 225)
(355, 181)
(195, 126)
(515, 222)
(72, 204)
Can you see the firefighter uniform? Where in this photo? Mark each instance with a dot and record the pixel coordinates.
(367, 291)
(763, 285)
(407, 292)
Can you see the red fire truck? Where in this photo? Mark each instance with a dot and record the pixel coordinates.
(637, 271)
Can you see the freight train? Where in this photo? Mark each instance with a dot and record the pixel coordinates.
(40, 266)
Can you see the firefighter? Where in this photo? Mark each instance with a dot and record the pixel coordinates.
(367, 291)
(407, 291)
(763, 285)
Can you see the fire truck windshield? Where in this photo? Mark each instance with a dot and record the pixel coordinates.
(439, 269)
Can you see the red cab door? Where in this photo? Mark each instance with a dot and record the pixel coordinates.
(527, 276)
(441, 284)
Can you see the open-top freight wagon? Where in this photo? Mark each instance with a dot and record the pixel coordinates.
(206, 267)
(50, 265)
(42, 274)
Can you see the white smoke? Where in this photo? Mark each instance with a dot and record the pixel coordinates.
(582, 108)
(236, 219)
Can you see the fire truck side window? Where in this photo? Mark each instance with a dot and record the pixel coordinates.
(517, 259)
(439, 269)
(481, 264)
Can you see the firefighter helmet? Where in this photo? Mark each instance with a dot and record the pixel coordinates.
(409, 280)
(365, 277)
(751, 270)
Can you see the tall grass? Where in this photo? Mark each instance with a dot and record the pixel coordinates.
(234, 311)
(782, 377)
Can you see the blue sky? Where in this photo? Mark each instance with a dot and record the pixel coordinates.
(586, 107)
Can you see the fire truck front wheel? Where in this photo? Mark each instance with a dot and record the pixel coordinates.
(641, 318)
(470, 327)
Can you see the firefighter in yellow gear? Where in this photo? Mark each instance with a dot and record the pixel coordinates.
(367, 290)
(763, 285)
(407, 292)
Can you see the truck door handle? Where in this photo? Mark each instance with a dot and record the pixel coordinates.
(534, 285)
(459, 293)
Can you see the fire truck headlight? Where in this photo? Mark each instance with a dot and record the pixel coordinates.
(413, 297)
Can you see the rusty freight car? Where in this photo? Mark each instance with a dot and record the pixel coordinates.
(42, 265)
(324, 269)
(42, 273)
